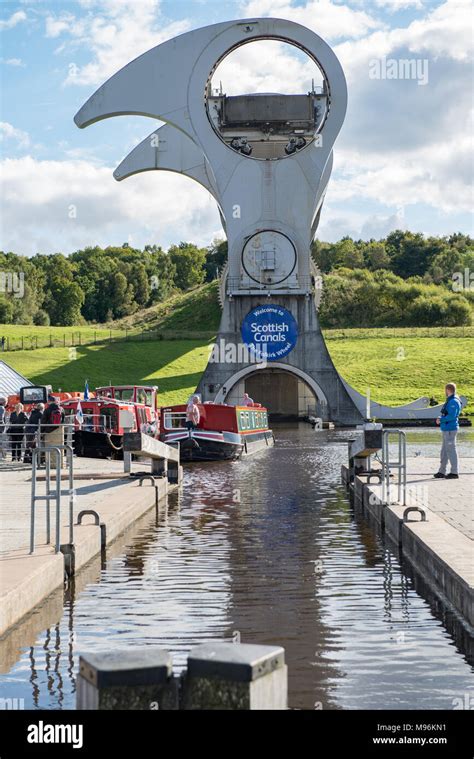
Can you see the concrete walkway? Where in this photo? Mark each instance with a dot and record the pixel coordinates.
(442, 547)
(25, 580)
(15, 498)
(452, 500)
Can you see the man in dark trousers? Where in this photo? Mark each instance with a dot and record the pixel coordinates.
(31, 430)
(51, 424)
(449, 424)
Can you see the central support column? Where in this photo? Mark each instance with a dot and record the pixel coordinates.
(309, 359)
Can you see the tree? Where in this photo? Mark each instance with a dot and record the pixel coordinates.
(6, 311)
(216, 259)
(138, 278)
(65, 301)
(41, 318)
(189, 261)
(376, 255)
(117, 297)
(410, 254)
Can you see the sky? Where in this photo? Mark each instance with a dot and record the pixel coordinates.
(402, 160)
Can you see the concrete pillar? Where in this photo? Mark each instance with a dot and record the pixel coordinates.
(237, 676)
(127, 456)
(127, 680)
(159, 467)
(175, 472)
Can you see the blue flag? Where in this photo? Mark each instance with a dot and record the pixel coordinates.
(86, 391)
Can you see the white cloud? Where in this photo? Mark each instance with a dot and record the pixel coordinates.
(438, 175)
(65, 205)
(328, 19)
(338, 221)
(266, 66)
(13, 62)
(402, 143)
(14, 19)
(115, 31)
(395, 5)
(9, 132)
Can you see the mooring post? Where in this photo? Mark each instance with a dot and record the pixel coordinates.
(237, 676)
(175, 472)
(127, 680)
(127, 456)
(159, 467)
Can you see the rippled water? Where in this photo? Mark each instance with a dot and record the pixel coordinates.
(269, 548)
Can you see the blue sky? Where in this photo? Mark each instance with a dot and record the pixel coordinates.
(403, 158)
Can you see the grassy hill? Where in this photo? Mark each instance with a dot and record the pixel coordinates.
(399, 365)
(197, 310)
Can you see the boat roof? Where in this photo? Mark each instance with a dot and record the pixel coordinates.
(11, 381)
(127, 387)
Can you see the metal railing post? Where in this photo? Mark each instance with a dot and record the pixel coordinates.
(400, 465)
(55, 493)
(70, 460)
(33, 502)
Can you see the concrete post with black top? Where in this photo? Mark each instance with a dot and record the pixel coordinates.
(127, 680)
(235, 676)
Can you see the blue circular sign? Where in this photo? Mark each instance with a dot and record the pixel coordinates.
(270, 332)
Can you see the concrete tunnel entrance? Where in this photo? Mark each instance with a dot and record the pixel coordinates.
(286, 396)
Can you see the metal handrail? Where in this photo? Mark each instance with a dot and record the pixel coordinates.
(400, 465)
(27, 440)
(95, 422)
(235, 285)
(46, 452)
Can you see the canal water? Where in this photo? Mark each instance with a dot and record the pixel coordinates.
(266, 550)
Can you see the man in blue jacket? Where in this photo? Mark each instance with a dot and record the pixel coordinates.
(449, 423)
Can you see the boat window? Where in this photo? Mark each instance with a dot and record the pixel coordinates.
(142, 418)
(124, 394)
(245, 420)
(174, 420)
(88, 418)
(149, 397)
(141, 396)
(108, 419)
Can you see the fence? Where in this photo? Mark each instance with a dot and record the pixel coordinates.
(361, 333)
(80, 338)
(16, 447)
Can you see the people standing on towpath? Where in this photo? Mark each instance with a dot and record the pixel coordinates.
(448, 421)
(16, 430)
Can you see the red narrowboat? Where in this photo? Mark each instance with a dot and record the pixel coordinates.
(100, 421)
(223, 432)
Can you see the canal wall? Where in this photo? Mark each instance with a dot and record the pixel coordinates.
(28, 579)
(440, 549)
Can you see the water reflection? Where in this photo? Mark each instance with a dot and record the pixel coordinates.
(269, 547)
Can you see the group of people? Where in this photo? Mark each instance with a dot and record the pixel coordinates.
(18, 430)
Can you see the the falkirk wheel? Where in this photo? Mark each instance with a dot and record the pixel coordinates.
(266, 159)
